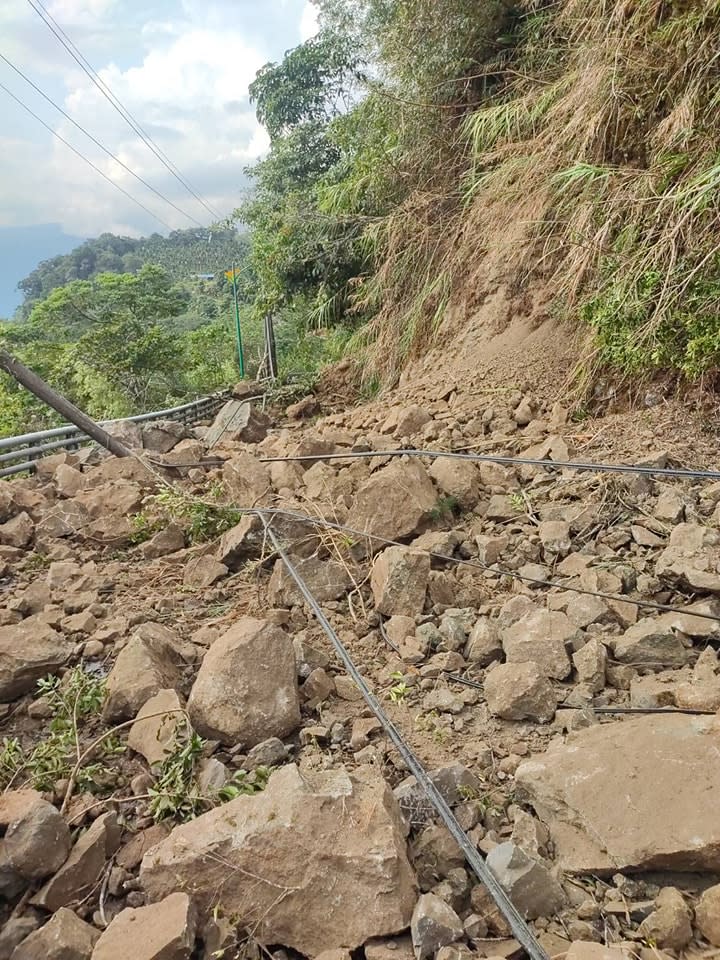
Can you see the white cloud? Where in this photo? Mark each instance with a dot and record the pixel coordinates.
(79, 11)
(309, 22)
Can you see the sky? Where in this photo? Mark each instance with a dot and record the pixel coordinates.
(181, 67)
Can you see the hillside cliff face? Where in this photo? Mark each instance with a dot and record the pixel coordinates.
(565, 151)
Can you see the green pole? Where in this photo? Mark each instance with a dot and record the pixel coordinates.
(238, 331)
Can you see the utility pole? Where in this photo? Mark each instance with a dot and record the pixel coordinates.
(238, 331)
(32, 382)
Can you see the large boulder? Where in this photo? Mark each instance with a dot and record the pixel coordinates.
(17, 532)
(458, 479)
(520, 691)
(162, 436)
(527, 881)
(394, 502)
(326, 579)
(286, 864)
(631, 795)
(37, 839)
(246, 689)
(64, 937)
(28, 651)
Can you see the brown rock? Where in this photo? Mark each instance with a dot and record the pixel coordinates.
(399, 581)
(37, 839)
(690, 560)
(143, 668)
(28, 651)
(664, 826)
(405, 421)
(242, 542)
(68, 480)
(162, 436)
(707, 915)
(203, 571)
(306, 407)
(326, 579)
(590, 662)
(161, 931)
(81, 871)
(64, 937)
(650, 642)
(527, 881)
(519, 691)
(295, 837)
(247, 480)
(458, 479)
(585, 950)
(15, 930)
(17, 532)
(130, 855)
(153, 737)
(540, 637)
(246, 689)
(393, 502)
(670, 925)
(434, 925)
(166, 541)
(238, 421)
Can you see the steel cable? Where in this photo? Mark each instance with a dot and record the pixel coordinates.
(518, 925)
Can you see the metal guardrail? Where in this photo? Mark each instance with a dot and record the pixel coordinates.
(22, 452)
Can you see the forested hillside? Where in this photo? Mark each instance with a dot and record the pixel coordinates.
(577, 140)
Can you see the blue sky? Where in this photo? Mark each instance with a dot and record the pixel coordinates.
(182, 68)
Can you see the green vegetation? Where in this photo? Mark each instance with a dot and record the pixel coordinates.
(581, 135)
(72, 702)
(202, 520)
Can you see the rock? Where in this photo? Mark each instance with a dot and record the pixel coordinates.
(81, 871)
(237, 421)
(524, 412)
(246, 689)
(528, 882)
(247, 481)
(650, 642)
(484, 644)
(593, 826)
(318, 687)
(434, 925)
(241, 542)
(286, 475)
(585, 950)
(500, 507)
(143, 668)
(37, 838)
(670, 925)
(530, 835)
(362, 730)
(539, 637)
(15, 930)
(399, 581)
(590, 663)
(491, 548)
(555, 538)
(519, 691)
(130, 855)
(295, 837)
(17, 532)
(458, 479)
(669, 507)
(64, 937)
(326, 579)
(270, 753)
(690, 560)
(394, 501)
(29, 651)
(399, 948)
(161, 931)
(152, 738)
(246, 389)
(405, 421)
(166, 541)
(307, 407)
(162, 436)
(707, 915)
(69, 481)
(444, 701)
(203, 571)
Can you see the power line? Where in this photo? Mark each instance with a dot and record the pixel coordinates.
(99, 144)
(89, 70)
(84, 158)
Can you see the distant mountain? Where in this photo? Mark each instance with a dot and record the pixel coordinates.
(21, 250)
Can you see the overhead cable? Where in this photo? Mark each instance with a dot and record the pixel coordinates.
(97, 143)
(107, 93)
(84, 158)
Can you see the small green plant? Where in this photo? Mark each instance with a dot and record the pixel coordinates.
(447, 508)
(37, 562)
(517, 501)
(399, 690)
(143, 528)
(176, 792)
(73, 699)
(202, 520)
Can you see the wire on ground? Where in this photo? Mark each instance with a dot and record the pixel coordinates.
(670, 472)
(519, 927)
(478, 565)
